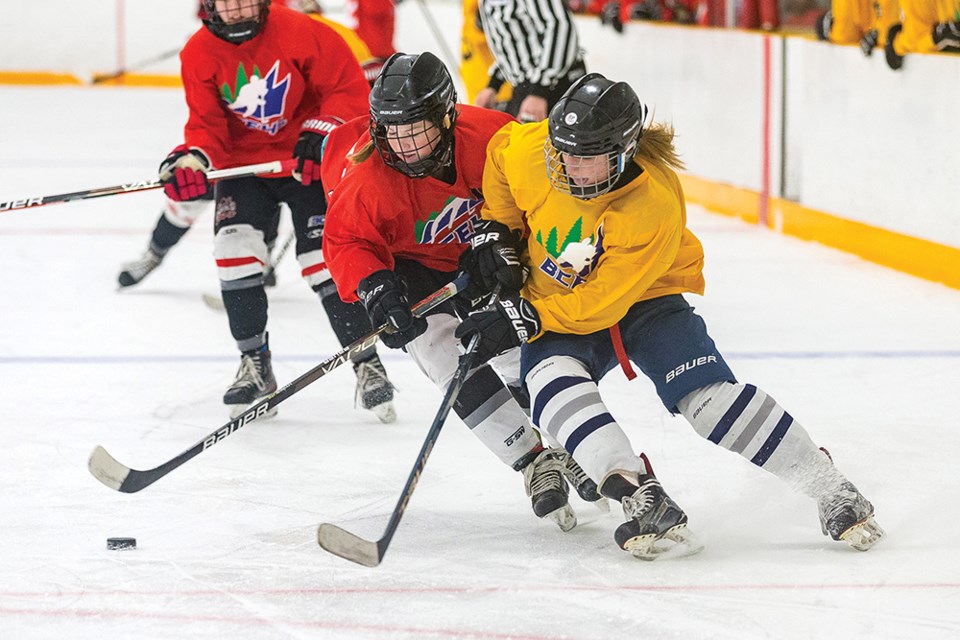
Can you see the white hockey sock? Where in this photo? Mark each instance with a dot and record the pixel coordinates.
(566, 406)
(747, 421)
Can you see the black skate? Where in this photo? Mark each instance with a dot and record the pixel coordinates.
(135, 271)
(656, 526)
(374, 389)
(543, 479)
(254, 380)
(586, 488)
(846, 515)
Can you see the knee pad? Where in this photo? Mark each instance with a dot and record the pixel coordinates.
(240, 253)
(436, 351)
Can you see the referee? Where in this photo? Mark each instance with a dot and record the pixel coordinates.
(535, 48)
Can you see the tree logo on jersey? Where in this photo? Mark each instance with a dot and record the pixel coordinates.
(453, 223)
(258, 101)
(571, 261)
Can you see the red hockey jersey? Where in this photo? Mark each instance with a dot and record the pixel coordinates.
(377, 214)
(247, 101)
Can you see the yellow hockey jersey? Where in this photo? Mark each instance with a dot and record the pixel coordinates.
(852, 19)
(919, 18)
(590, 260)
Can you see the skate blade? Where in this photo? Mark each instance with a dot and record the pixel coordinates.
(385, 412)
(237, 410)
(677, 542)
(602, 505)
(863, 535)
(565, 517)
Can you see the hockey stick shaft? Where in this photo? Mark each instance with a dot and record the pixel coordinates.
(277, 166)
(160, 57)
(349, 546)
(453, 62)
(275, 260)
(105, 468)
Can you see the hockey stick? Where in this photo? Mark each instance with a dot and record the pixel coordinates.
(453, 62)
(120, 477)
(216, 302)
(277, 166)
(349, 546)
(105, 77)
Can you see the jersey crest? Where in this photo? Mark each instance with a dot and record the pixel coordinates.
(453, 223)
(257, 100)
(571, 261)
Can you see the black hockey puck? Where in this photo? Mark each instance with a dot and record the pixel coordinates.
(121, 543)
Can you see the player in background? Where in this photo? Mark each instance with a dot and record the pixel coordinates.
(177, 217)
(927, 26)
(861, 22)
(476, 59)
(594, 196)
(263, 83)
(406, 191)
(374, 22)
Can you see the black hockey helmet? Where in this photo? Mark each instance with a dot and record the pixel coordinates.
(231, 30)
(412, 114)
(595, 117)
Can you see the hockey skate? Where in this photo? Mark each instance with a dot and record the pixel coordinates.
(656, 527)
(133, 272)
(846, 515)
(374, 389)
(543, 479)
(254, 380)
(585, 487)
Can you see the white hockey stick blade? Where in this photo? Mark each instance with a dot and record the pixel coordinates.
(341, 542)
(105, 468)
(214, 302)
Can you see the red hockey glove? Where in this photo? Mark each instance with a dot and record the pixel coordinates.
(184, 174)
(309, 148)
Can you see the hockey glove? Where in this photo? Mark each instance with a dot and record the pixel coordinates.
(495, 257)
(309, 148)
(184, 174)
(506, 324)
(894, 59)
(387, 304)
(868, 42)
(946, 35)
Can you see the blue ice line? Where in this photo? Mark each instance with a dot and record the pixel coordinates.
(384, 354)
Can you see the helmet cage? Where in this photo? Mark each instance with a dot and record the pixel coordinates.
(236, 32)
(559, 170)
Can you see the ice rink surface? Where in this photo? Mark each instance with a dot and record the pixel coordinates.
(866, 358)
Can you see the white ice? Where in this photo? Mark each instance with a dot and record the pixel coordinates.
(866, 358)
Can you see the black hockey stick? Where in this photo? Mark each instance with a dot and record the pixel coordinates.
(352, 547)
(119, 73)
(120, 477)
(277, 166)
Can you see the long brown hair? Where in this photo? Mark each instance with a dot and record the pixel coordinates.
(656, 147)
(363, 153)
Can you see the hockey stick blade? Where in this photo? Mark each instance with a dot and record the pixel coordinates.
(214, 302)
(119, 477)
(351, 547)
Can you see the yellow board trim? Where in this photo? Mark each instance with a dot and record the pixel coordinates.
(917, 257)
(50, 78)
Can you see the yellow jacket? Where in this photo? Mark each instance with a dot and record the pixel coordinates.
(357, 46)
(852, 19)
(919, 17)
(590, 260)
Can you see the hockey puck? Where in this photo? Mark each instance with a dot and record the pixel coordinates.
(121, 543)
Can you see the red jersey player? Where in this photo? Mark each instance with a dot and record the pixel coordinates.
(405, 198)
(262, 83)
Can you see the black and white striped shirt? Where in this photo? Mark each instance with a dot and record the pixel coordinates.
(533, 41)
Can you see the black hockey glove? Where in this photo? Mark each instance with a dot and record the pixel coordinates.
(387, 304)
(183, 174)
(894, 59)
(946, 36)
(495, 257)
(309, 148)
(610, 15)
(507, 323)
